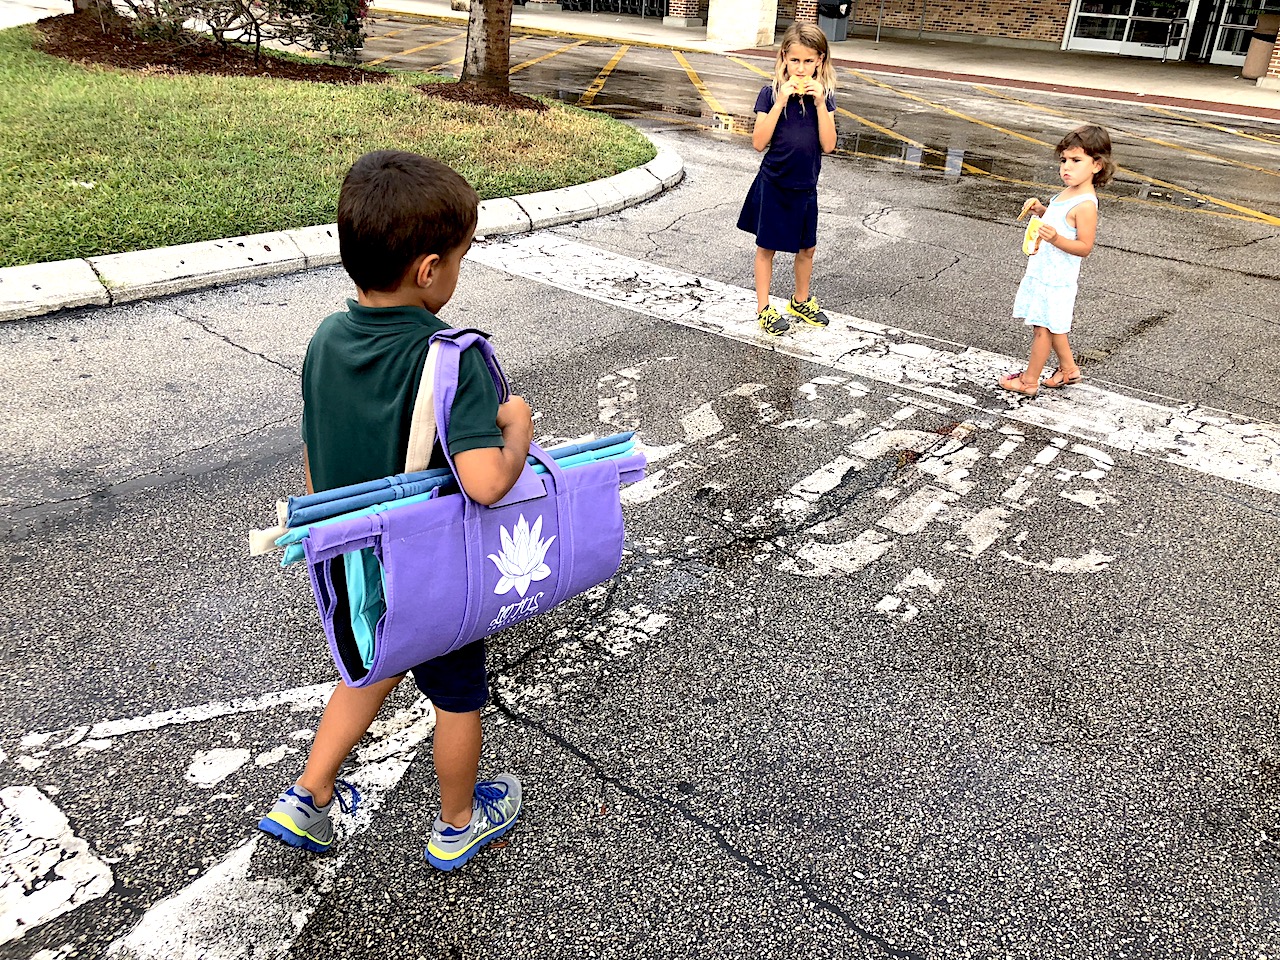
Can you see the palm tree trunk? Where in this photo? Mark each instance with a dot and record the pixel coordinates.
(488, 58)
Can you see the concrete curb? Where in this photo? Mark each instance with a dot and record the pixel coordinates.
(37, 289)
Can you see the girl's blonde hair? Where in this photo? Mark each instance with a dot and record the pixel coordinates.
(807, 35)
(1096, 143)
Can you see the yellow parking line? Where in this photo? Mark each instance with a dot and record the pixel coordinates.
(751, 66)
(405, 53)
(1202, 153)
(597, 84)
(921, 164)
(948, 110)
(457, 60)
(1211, 126)
(1137, 136)
(883, 130)
(547, 56)
(1154, 181)
(720, 112)
(396, 33)
(1144, 201)
(1025, 103)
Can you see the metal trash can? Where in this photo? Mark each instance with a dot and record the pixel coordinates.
(1261, 44)
(833, 18)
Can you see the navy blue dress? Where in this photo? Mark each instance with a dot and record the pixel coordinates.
(781, 208)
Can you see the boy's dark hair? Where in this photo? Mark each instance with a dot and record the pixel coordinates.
(1096, 143)
(396, 206)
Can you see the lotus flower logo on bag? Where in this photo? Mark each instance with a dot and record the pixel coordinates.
(520, 561)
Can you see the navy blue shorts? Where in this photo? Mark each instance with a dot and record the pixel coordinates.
(781, 219)
(456, 682)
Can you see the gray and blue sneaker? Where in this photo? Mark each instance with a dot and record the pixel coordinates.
(494, 810)
(299, 822)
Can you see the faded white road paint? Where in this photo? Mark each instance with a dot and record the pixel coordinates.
(211, 767)
(45, 869)
(299, 698)
(223, 912)
(936, 473)
(1197, 438)
(230, 910)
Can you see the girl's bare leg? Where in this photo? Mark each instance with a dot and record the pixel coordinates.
(1066, 361)
(804, 273)
(764, 276)
(346, 719)
(1041, 343)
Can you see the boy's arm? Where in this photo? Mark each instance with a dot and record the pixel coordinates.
(488, 473)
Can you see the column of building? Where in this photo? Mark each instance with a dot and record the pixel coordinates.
(751, 23)
(1271, 79)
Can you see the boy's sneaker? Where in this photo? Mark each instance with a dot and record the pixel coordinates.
(771, 321)
(808, 311)
(496, 806)
(299, 822)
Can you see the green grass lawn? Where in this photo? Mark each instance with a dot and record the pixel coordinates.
(97, 161)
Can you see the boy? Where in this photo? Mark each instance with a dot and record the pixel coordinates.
(404, 224)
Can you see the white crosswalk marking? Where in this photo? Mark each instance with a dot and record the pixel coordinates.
(45, 869)
(1197, 438)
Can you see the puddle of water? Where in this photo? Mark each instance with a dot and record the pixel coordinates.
(949, 162)
(623, 106)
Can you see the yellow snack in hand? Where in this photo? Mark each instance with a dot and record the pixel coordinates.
(1031, 238)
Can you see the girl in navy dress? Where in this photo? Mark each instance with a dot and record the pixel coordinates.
(796, 125)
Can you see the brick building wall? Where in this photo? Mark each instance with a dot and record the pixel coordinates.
(1037, 21)
(688, 9)
(790, 11)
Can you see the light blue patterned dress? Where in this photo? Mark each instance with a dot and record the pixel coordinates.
(1047, 295)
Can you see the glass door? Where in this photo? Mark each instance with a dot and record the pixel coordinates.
(1235, 30)
(1136, 28)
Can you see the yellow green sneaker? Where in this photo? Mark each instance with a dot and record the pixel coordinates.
(808, 311)
(299, 821)
(494, 808)
(771, 321)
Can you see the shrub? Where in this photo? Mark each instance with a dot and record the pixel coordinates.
(333, 26)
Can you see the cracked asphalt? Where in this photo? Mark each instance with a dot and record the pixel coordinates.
(996, 696)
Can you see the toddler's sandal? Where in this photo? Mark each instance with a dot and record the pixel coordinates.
(1056, 380)
(1013, 383)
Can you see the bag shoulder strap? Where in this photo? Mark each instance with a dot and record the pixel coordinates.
(440, 375)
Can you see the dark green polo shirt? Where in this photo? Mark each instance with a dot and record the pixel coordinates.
(359, 382)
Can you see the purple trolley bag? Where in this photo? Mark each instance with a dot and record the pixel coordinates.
(453, 570)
